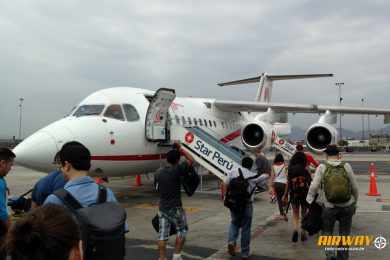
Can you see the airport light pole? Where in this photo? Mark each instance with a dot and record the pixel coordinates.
(339, 85)
(362, 120)
(20, 117)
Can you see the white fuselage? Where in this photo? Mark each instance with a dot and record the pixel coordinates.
(118, 146)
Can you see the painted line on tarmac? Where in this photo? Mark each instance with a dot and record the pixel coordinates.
(222, 254)
(153, 247)
(188, 210)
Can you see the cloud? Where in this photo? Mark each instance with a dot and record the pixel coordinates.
(54, 53)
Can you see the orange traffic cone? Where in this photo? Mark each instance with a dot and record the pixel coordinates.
(222, 190)
(138, 180)
(372, 188)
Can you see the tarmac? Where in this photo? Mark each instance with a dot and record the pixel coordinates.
(208, 221)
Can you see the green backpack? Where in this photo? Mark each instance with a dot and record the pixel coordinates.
(336, 184)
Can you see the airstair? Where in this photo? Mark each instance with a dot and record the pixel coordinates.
(215, 156)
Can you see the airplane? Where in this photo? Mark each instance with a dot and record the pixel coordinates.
(117, 124)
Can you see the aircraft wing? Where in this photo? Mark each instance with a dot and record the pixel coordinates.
(249, 106)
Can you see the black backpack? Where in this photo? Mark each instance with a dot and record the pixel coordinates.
(102, 226)
(237, 195)
(300, 183)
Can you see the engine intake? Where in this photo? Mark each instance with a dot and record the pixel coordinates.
(319, 136)
(255, 135)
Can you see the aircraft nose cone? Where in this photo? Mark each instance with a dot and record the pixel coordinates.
(37, 151)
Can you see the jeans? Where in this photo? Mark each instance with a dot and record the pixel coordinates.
(329, 218)
(243, 221)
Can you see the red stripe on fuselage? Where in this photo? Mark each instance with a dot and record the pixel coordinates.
(231, 137)
(142, 157)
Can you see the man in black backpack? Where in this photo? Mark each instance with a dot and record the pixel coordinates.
(337, 190)
(239, 198)
(101, 218)
(171, 209)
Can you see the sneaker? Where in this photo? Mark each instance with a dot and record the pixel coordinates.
(177, 257)
(303, 236)
(231, 249)
(295, 237)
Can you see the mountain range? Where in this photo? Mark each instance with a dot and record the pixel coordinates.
(299, 133)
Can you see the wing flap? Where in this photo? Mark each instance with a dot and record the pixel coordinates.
(241, 106)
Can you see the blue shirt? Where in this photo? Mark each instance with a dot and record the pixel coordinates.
(84, 190)
(3, 200)
(47, 185)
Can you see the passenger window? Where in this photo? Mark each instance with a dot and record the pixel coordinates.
(215, 124)
(195, 122)
(89, 110)
(130, 112)
(177, 119)
(114, 111)
(189, 120)
(210, 124)
(183, 120)
(223, 125)
(200, 122)
(205, 122)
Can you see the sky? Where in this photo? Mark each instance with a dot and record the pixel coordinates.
(55, 53)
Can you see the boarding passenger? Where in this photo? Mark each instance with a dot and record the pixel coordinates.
(6, 162)
(81, 195)
(47, 185)
(278, 183)
(46, 233)
(336, 186)
(241, 185)
(261, 163)
(298, 186)
(171, 209)
(311, 163)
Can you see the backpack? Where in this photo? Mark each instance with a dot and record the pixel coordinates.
(336, 184)
(191, 181)
(102, 225)
(237, 196)
(300, 186)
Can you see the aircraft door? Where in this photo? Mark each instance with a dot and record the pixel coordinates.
(157, 115)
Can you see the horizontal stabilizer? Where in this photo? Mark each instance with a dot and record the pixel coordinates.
(272, 78)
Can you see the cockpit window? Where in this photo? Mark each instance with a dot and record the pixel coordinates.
(114, 111)
(130, 112)
(89, 110)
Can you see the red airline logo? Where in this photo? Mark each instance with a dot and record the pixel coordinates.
(189, 137)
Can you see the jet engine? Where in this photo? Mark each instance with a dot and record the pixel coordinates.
(319, 136)
(256, 135)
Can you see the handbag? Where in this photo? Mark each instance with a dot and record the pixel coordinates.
(191, 181)
(312, 221)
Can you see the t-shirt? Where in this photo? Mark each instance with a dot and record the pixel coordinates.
(280, 171)
(169, 185)
(262, 164)
(311, 161)
(3, 200)
(47, 185)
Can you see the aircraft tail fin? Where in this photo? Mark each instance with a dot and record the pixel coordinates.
(264, 92)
